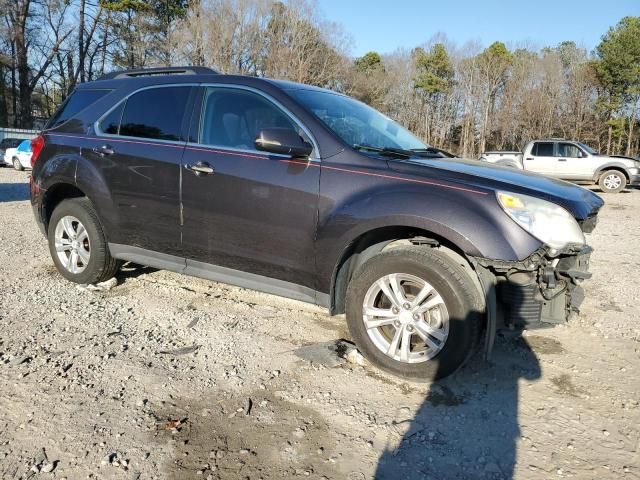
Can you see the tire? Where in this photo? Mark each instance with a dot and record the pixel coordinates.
(463, 305)
(67, 217)
(612, 181)
(17, 165)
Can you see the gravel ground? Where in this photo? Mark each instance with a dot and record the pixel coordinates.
(167, 376)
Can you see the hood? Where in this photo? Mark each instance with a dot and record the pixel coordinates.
(629, 162)
(581, 202)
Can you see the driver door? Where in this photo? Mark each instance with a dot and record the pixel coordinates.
(573, 163)
(250, 211)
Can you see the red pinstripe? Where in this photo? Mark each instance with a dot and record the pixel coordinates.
(296, 162)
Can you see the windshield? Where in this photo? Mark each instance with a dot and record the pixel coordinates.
(356, 123)
(588, 149)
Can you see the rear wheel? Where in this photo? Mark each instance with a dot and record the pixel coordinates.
(612, 181)
(414, 312)
(78, 245)
(17, 165)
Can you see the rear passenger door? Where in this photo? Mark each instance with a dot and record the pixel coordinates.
(253, 212)
(138, 148)
(541, 159)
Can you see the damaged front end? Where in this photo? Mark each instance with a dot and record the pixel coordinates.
(542, 289)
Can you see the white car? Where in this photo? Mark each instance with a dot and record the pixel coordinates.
(20, 157)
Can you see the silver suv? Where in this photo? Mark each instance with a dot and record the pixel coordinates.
(572, 161)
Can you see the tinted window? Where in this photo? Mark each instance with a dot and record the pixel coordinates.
(78, 101)
(111, 123)
(543, 149)
(155, 113)
(568, 150)
(233, 118)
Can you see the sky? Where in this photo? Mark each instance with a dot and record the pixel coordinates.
(384, 26)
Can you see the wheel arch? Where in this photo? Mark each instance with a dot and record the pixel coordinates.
(611, 166)
(372, 242)
(55, 194)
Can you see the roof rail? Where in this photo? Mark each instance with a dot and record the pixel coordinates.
(146, 72)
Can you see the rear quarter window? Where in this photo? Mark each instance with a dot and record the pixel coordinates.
(75, 103)
(156, 113)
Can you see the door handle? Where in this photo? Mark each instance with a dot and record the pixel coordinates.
(562, 159)
(201, 169)
(529, 158)
(103, 150)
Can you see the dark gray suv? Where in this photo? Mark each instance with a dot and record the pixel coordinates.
(306, 193)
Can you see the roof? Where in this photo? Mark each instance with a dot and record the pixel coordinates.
(149, 72)
(186, 74)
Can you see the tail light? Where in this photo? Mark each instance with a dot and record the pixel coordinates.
(36, 147)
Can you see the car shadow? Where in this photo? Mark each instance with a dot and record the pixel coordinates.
(467, 426)
(133, 270)
(14, 192)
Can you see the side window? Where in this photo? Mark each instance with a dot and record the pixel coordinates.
(78, 101)
(155, 113)
(543, 149)
(111, 123)
(568, 150)
(233, 118)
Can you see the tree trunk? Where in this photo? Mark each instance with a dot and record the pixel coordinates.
(81, 48)
(632, 121)
(25, 119)
(483, 129)
(4, 115)
(14, 86)
(105, 42)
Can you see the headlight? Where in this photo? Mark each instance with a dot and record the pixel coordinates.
(548, 222)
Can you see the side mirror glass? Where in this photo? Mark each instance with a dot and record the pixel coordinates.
(283, 141)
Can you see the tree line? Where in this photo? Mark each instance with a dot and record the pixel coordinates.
(464, 98)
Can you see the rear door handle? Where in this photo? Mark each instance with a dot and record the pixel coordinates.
(562, 159)
(201, 169)
(103, 150)
(529, 158)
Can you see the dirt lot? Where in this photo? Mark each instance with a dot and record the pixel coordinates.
(166, 376)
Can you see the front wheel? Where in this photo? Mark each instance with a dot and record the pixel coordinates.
(612, 181)
(414, 312)
(77, 243)
(17, 165)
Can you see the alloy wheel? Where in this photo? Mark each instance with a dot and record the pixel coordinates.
(72, 243)
(612, 182)
(406, 318)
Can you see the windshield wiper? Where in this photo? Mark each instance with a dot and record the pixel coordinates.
(433, 152)
(388, 151)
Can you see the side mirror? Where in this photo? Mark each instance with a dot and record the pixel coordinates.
(283, 141)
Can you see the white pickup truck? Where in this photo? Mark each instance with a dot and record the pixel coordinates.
(571, 161)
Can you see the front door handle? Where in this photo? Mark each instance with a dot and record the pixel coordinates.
(562, 159)
(103, 150)
(201, 169)
(529, 158)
